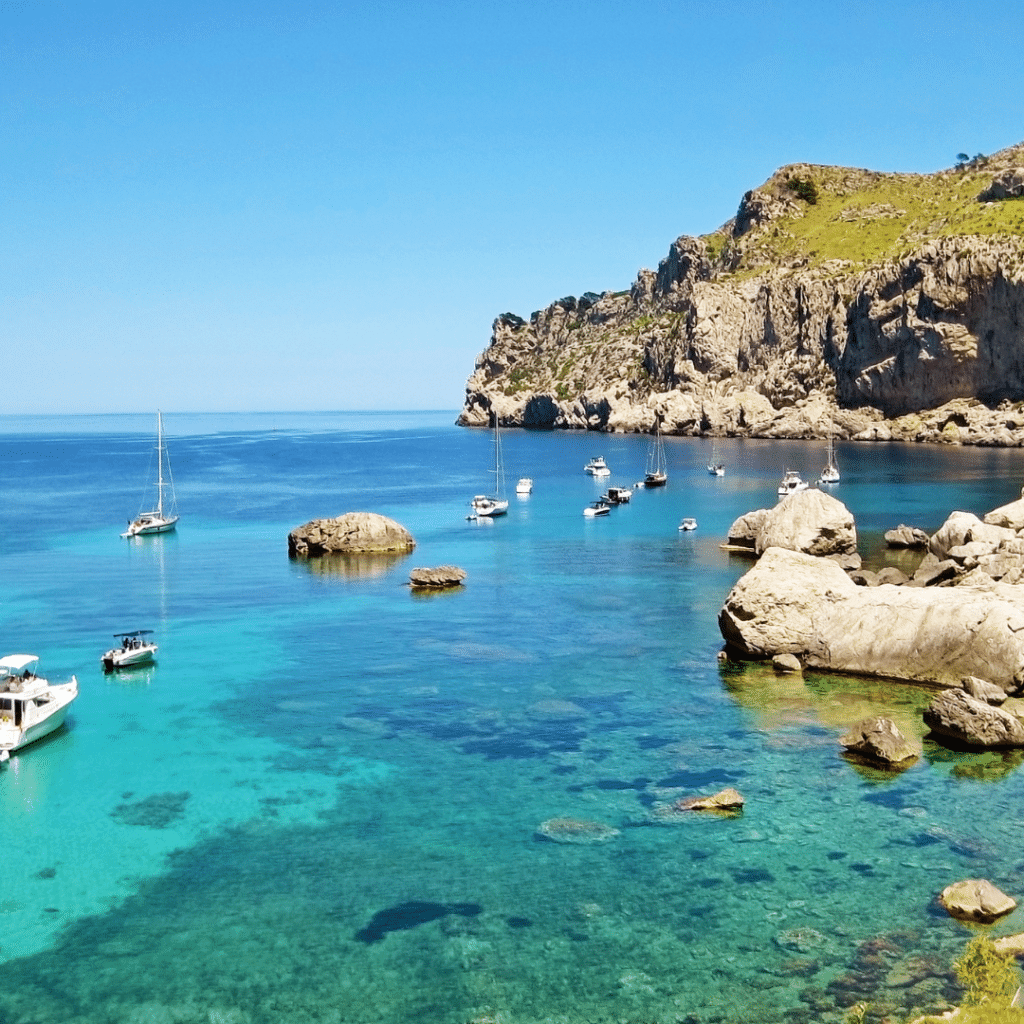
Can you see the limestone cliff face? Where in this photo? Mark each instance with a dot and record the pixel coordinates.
(889, 305)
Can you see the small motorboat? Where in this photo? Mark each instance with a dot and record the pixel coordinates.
(524, 486)
(688, 524)
(791, 483)
(134, 650)
(618, 495)
(30, 706)
(597, 508)
(716, 469)
(597, 467)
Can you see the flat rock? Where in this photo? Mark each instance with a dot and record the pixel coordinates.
(727, 799)
(878, 739)
(437, 578)
(792, 603)
(355, 532)
(976, 899)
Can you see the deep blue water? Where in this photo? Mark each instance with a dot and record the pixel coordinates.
(322, 803)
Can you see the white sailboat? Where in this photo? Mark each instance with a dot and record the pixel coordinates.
(830, 474)
(489, 506)
(657, 472)
(715, 468)
(159, 519)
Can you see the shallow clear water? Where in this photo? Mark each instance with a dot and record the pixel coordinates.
(322, 803)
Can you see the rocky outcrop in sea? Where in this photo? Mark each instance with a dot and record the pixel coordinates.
(878, 306)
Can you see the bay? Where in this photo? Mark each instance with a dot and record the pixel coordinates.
(322, 802)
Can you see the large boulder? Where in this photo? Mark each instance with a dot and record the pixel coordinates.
(906, 537)
(976, 899)
(794, 603)
(1011, 516)
(810, 521)
(956, 715)
(355, 532)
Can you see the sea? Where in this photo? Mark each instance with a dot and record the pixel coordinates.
(334, 800)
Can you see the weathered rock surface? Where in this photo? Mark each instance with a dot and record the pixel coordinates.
(983, 690)
(736, 335)
(956, 715)
(1010, 516)
(976, 899)
(787, 664)
(727, 799)
(356, 532)
(878, 739)
(906, 537)
(794, 603)
(438, 578)
(810, 521)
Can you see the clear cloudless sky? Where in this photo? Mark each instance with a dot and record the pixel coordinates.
(252, 205)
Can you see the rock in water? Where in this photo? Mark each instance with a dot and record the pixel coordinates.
(438, 578)
(576, 831)
(356, 532)
(727, 799)
(810, 521)
(791, 603)
(976, 899)
(907, 537)
(878, 739)
(959, 716)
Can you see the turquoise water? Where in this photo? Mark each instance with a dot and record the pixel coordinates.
(322, 803)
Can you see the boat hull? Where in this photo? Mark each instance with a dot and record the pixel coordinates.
(146, 525)
(13, 738)
(118, 657)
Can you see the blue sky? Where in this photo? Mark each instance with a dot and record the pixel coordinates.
(266, 206)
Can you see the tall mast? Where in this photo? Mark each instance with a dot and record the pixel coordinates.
(159, 465)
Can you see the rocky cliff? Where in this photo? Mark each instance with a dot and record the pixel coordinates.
(889, 305)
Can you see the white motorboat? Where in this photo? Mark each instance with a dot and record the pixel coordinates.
(597, 467)
(618, 495)
(791, 483)
(134, 650)
(159, 519)
(524, 485)
(597, 508)
(830, 474)
(490, 506)
(688, 524)
(30, 706)
(657, 471)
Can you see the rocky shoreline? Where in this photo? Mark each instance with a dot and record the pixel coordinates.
(895, 320)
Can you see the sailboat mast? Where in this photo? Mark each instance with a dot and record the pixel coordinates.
(159, 464)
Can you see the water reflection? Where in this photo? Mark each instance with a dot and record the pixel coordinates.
(361, 565)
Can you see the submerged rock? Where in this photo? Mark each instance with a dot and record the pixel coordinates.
(576, 831)
(351, 532)
(976, 899)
